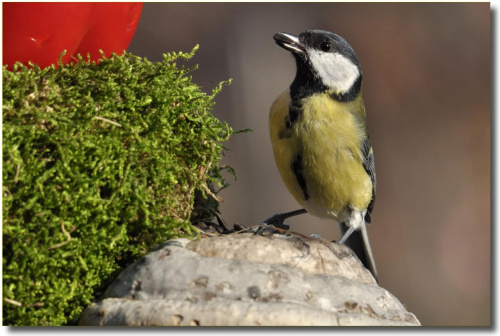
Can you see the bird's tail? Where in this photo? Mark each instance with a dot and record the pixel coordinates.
(359, 243)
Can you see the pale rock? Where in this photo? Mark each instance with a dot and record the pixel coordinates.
(248, 280)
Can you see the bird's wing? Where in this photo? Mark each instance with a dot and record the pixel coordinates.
(369, 165)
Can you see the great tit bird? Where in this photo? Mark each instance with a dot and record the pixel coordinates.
(320, 138)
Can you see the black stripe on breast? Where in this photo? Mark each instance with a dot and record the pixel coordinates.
(294, 112)
(297, 168)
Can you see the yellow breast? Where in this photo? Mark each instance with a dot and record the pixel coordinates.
(327, 136)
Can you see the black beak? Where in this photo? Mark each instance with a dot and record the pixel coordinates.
(289, 42)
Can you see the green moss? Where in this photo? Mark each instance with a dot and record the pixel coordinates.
(100, 163)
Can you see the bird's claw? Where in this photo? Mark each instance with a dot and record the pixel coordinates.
(269, 229)
(277, 221)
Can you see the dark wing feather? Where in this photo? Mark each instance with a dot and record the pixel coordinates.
(369, 165)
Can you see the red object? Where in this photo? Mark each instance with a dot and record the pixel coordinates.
(39, 32)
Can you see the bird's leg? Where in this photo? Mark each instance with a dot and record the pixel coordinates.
(347, 234)
(278, 219)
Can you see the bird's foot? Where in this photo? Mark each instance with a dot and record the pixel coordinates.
(268, 229)
(278, 221)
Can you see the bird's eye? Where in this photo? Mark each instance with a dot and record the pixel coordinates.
(325, 46)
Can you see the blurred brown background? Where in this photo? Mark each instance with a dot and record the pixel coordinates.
(427, 89)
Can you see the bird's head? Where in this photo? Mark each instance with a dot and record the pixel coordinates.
(324, 60)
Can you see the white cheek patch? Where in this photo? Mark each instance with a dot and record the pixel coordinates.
(336, 71)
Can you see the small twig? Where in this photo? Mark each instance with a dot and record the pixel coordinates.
(16, 177)
(13, 302)
(64, 242)
(210, 234)
(36, 304)
(209, 192)
(173, 213)
(108, 121)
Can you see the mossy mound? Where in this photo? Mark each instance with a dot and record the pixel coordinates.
(100, 163)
